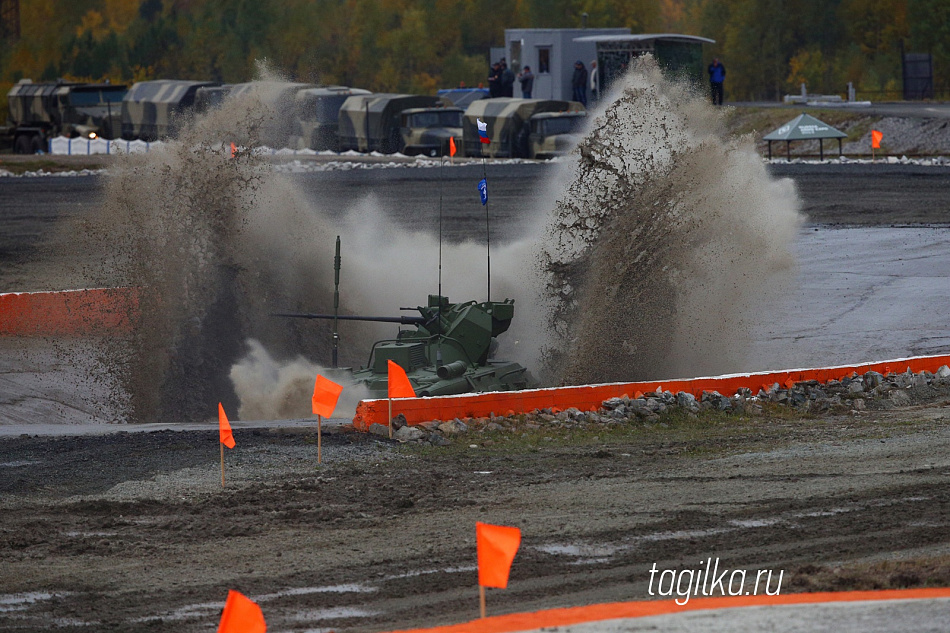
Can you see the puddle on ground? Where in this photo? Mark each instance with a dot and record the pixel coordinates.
(425, 572)
(333, 613)
(21, 601)
(303, 591)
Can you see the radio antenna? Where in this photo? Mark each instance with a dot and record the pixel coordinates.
(487, 227)
(438, 349)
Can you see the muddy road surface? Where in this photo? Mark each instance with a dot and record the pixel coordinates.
(133, 531)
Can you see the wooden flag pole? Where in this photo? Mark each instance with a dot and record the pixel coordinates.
(481, 598)
(222, 463)
(390, 418)
(319, 455)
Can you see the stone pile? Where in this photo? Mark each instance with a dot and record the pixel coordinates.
(856, 393)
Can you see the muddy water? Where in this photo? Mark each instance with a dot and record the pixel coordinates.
(667, 234)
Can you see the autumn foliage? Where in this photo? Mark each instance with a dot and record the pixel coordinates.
(768, 46)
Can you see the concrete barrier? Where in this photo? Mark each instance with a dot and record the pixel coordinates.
(590, 397)
(92, 311)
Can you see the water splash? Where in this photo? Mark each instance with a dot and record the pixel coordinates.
(665, 238)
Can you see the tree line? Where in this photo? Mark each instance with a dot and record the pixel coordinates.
(769, 47)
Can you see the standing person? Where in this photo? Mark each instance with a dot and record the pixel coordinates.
(717, 74)
(594, 82)
(494, 80)
(526, 77)
(507, 80)
(579, 82)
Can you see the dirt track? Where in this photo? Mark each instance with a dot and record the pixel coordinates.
(132, 532)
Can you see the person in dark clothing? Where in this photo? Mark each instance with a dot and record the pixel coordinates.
(494, 80)
(507, 80)
(579, 82)
(717, 74)
(526, 77)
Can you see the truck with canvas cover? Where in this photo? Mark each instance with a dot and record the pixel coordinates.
(428, 130)
(275, 102)
(509, 124)
(154, 109)
(554, 133)
(370, 123)
(39, 112)
(317, 122)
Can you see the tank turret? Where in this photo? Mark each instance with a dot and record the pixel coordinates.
(449, 351)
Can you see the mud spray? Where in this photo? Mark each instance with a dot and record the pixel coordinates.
(667, 235)
(664, 233)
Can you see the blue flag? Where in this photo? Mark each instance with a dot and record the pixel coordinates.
(483, 190)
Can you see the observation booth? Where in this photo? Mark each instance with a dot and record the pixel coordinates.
(679, 55)
(804, 127)
(551, 54)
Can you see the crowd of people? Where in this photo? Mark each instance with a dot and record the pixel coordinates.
(501, 81)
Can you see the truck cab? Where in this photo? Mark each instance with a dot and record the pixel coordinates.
(554, 133)
(428, 130)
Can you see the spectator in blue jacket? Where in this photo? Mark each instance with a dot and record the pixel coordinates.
(717, 74)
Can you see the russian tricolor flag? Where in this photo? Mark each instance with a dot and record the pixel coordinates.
(483, 131)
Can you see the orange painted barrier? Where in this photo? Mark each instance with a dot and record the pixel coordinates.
(68, 312)
(617, 610)
(590, 397)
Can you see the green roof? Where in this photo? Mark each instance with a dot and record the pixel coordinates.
(804, 127)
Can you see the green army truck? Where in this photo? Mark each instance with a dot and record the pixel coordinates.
(509, 125)
(371, 123)
(428, 130)
(276, 101)
(554, 133)
(155, 109)
(42, 111)
(317, 124)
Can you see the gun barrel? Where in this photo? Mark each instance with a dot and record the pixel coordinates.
(402, 320)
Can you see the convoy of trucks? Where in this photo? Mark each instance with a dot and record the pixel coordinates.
(300, 116)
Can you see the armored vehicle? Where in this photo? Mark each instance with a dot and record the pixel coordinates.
(554, 133)
(371, 122)
(317, 122)
(154, 109)
(448, 352)
(509, 126)
(39, 112)
(428, 130)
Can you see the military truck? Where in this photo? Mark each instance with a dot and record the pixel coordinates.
(278, 99)
(371, 122)
(554, 133)
(210, 97)
(428, 130)
(317, 122)
(39, 112)
(155, 109)
(509, 125)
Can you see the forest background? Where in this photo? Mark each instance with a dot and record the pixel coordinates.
(768, 46)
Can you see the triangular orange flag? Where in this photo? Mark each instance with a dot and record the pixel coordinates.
(497, 546)
(876, 139)
(452, 146)
(241, 615)
(399, 385)
(224, 428)
(325, 395)
(233, 150)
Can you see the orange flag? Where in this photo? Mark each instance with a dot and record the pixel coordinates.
(233, 150)
(399, 385)
(241, 615)
(325, 395)
(876, 139)
(497, 546)
(452, 146)
(224, 428)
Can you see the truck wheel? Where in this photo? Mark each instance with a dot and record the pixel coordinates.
(37, 145)
(22, 145)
